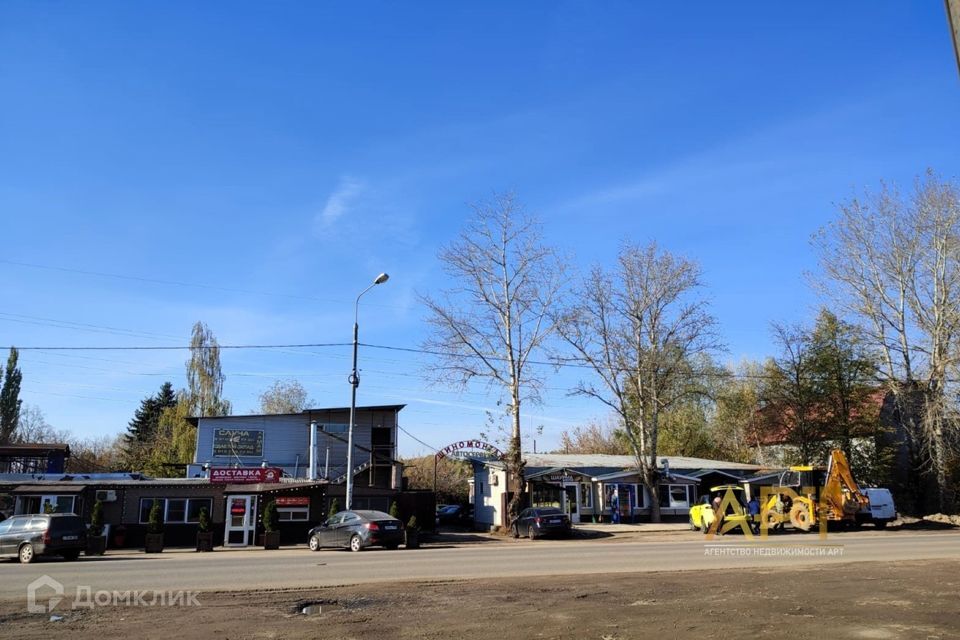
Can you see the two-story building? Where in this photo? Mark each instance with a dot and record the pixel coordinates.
(297, 460)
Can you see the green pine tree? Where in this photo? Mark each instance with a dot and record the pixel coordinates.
(10, 399)
(142, 430)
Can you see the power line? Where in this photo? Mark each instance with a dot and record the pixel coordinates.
(417, 439)
(118, 276)
(175, 283)
(314, 345)
(187, 347)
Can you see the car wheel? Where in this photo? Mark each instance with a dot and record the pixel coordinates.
(693, 525)
(314, 543)
(26, 554)
(532, 533)
(355, 543)
(514, 532)
(704, 527)
(71, 555)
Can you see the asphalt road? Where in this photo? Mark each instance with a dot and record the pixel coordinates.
(255, 569)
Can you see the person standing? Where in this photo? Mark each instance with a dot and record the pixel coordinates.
(753, 514)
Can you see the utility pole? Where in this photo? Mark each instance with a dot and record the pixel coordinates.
(953, 20)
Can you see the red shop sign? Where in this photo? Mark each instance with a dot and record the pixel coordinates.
(245, 475)
(289, 501)
(238, 507)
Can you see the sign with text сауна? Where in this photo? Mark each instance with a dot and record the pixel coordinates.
(237, 442)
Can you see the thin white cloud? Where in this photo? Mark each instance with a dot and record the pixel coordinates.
(339, 201)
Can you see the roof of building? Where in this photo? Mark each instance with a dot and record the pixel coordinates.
(273, 486)
(606, 462)
(68, 477)
(61, 487)
(305, 412)
(683, 479)
(31, 447)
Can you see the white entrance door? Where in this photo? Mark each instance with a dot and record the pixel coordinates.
(241, 521)
(571, 502)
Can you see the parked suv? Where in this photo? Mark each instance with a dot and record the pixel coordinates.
(54, 534)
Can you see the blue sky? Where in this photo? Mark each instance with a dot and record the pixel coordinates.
(255, 165)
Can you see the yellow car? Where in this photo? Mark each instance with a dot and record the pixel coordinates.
(703, 515)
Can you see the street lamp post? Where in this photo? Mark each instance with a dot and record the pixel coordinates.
(354, 383)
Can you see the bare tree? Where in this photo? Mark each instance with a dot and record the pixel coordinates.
(594, 437)
(451, 477)
(284, 396)
(641, 329)
(495, 319)
(790, 404)
(893, 264)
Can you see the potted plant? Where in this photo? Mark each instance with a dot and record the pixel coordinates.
(412, 533)
(271, 526)
(204, 535)
(96, 541)
(153, 541)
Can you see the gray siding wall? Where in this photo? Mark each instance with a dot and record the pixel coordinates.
(286, 440)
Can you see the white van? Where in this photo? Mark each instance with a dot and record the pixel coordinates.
(881, 510)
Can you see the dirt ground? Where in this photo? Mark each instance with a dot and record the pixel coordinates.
(876, 600)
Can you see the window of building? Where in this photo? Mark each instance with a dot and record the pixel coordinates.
(175, 510)
(545, 495)
(676, 496)
(336, 428)
(293, 513)
(194, 505)
(586, 495)
(146, 504)
(627, 496)
(38, 504)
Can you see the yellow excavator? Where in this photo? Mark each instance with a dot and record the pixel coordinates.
(809, 495)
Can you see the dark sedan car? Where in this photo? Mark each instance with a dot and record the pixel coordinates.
(540, 521)
(55, 534)
(357, 530)
(456, 514)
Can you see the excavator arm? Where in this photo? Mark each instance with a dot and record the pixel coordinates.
(841, 495)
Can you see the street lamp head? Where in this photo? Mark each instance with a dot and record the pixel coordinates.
(381, 278)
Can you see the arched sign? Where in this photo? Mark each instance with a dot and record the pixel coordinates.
(470, 449)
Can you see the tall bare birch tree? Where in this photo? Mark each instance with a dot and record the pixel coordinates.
(495, 318)
(892, 262)
(641, 329)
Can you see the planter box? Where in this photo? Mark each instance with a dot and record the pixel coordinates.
(153, 543)
(96, 545)
(271, 540)
(412, 539)
(205, 541)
